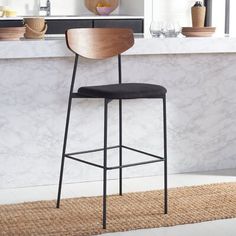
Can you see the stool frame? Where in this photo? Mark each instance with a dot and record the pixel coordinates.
(120, 146)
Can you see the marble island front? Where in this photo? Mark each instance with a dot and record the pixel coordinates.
(199, 74)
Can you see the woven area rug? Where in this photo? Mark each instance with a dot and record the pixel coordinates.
(82, 216)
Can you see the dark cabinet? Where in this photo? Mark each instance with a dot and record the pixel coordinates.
(60, 26)
(135, 24)
(11, 23)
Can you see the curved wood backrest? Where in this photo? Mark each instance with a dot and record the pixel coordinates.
(99, 43)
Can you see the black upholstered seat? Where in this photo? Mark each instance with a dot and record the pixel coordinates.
(123, 91)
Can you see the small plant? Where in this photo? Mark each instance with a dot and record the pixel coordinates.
(103, 3)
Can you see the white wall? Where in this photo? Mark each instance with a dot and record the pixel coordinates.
(30, 7)
(147, 15)
(70, 7)
(174, 11)
(132, 7)
(218, 16)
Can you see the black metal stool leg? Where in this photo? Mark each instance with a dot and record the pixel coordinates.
(66, 131)
(165, 158)
(105, 166)
(120, 146)
(63, 158)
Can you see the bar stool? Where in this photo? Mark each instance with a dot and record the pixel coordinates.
(102, 44)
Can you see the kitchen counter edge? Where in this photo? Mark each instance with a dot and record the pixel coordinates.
(55, 46)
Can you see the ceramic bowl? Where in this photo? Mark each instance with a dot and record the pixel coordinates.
(104, 11)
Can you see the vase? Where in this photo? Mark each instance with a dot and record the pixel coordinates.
(198, 16)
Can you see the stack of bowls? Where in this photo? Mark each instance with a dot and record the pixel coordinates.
(12, 33)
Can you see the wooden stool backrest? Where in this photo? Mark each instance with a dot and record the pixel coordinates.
(99, 43)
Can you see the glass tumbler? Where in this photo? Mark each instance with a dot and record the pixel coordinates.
(156, 29)
(171, 30)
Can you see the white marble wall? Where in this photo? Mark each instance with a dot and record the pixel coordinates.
(33, 101)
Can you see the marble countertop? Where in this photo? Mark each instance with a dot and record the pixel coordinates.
(55, 46)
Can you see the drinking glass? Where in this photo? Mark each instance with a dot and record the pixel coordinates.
(156, 29)
(171, 30)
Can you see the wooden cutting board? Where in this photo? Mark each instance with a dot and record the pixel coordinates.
(92, 4)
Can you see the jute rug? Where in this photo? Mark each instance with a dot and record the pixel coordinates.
(82, 216)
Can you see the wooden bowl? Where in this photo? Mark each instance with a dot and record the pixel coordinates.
(12, 29)
(198, 31)
(12, 33)
(198, 34)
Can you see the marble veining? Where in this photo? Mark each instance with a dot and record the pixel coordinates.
(201, 116)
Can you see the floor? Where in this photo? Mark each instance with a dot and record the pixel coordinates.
(216, 228)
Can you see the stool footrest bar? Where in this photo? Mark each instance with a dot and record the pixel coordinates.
(114, 167)
(142, 152)
(92, 150)
(134, 164)
(86, 162)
